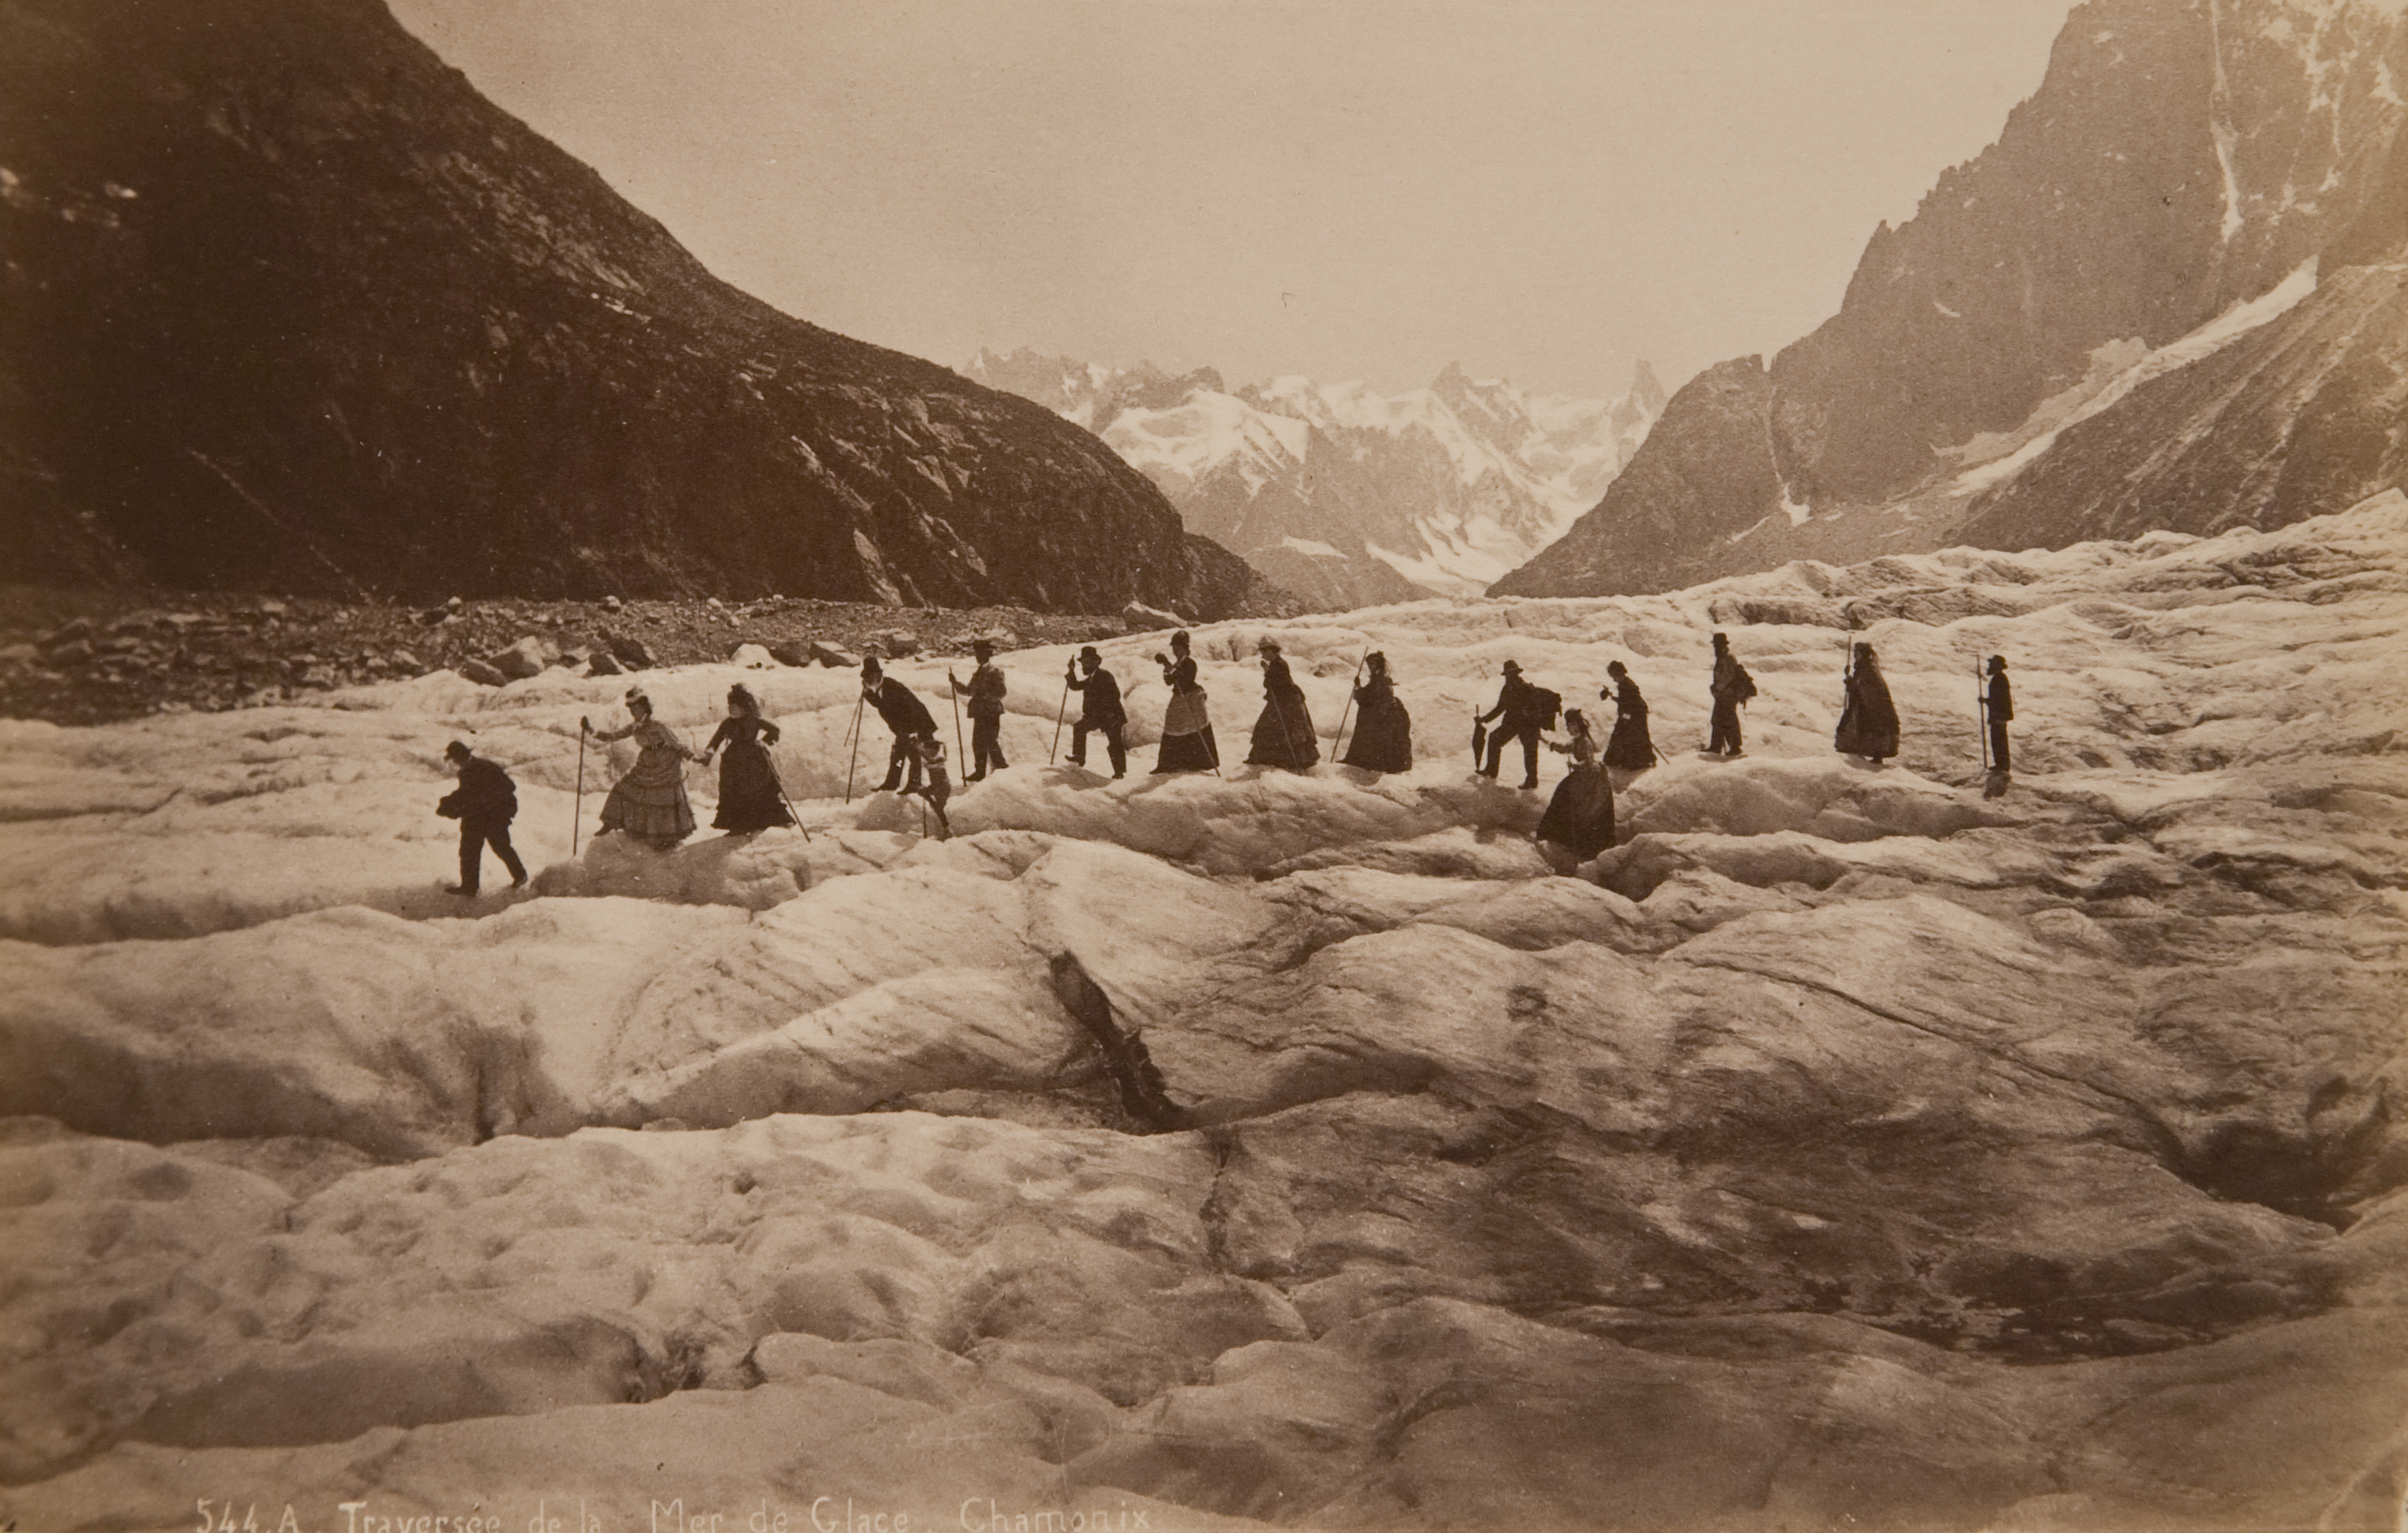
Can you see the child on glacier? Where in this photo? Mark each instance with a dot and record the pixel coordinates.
(928, 753)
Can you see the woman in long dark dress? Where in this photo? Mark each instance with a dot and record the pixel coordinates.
(1579, 821)
(1868, 722)
(1629, 749)
(749, 795)
(650, 802)
(1187, 743)
(1284, 730)
(1384, 733)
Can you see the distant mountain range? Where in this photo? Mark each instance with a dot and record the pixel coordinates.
(1345, 496)
(2173, 295)
(289, 306)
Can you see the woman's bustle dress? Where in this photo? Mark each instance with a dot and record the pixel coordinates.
(1187, 743)
(1629, 749)
(650, 802)
(749, 795)
(1580, 815)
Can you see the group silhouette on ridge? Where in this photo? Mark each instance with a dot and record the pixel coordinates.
(649, 802)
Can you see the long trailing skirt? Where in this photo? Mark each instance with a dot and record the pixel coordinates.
(1580, 816)
(1193, 751)
(1631, 748)
(1187, 743)
(1869, 723)
(650, 802)
(1383, 739)
(750, 796)
(1284, 733)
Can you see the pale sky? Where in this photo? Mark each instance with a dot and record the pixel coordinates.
(1348, 189)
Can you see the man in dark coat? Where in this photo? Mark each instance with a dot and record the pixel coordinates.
(1997, 707)
(905, 714)
(1099, 710)
(1731, 686)
(1517, 704)
(485, 803)
(985, 693)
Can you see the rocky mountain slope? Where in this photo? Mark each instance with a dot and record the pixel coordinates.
(1345, 496)
(2168, 296)
(1840, 1149)
(290, 307)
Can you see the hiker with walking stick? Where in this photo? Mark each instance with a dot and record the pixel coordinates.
(749, 795)
(1100, 711)
(1284, 730)
(1997, 707)
(1867, 720)
(905, 714)
(1383, 732)
(1731, 686)
(650, 802)
(1187, 743)
(985, 693)
(1526, 711)
(1629, 749)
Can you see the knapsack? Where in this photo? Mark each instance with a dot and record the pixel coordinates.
(1746, 687)
(1545, 705)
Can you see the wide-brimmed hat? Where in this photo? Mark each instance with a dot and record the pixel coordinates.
(1267, 642)
(1514, 666)
(636, 695)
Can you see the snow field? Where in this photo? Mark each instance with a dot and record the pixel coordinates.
(1839, 1144)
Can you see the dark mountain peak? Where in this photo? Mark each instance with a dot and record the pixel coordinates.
(290, 306)
(2178, 162)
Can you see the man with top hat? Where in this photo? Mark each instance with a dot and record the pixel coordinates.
(1518, 705)
(1099, 710)
(905, 714)
(985, 693)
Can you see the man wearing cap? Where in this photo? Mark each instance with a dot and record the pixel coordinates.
(485, 803)
(905, 714)
(985, 693)
(1099, 709)
(1517, 704)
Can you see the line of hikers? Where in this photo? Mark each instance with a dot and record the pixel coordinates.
(650, 802)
